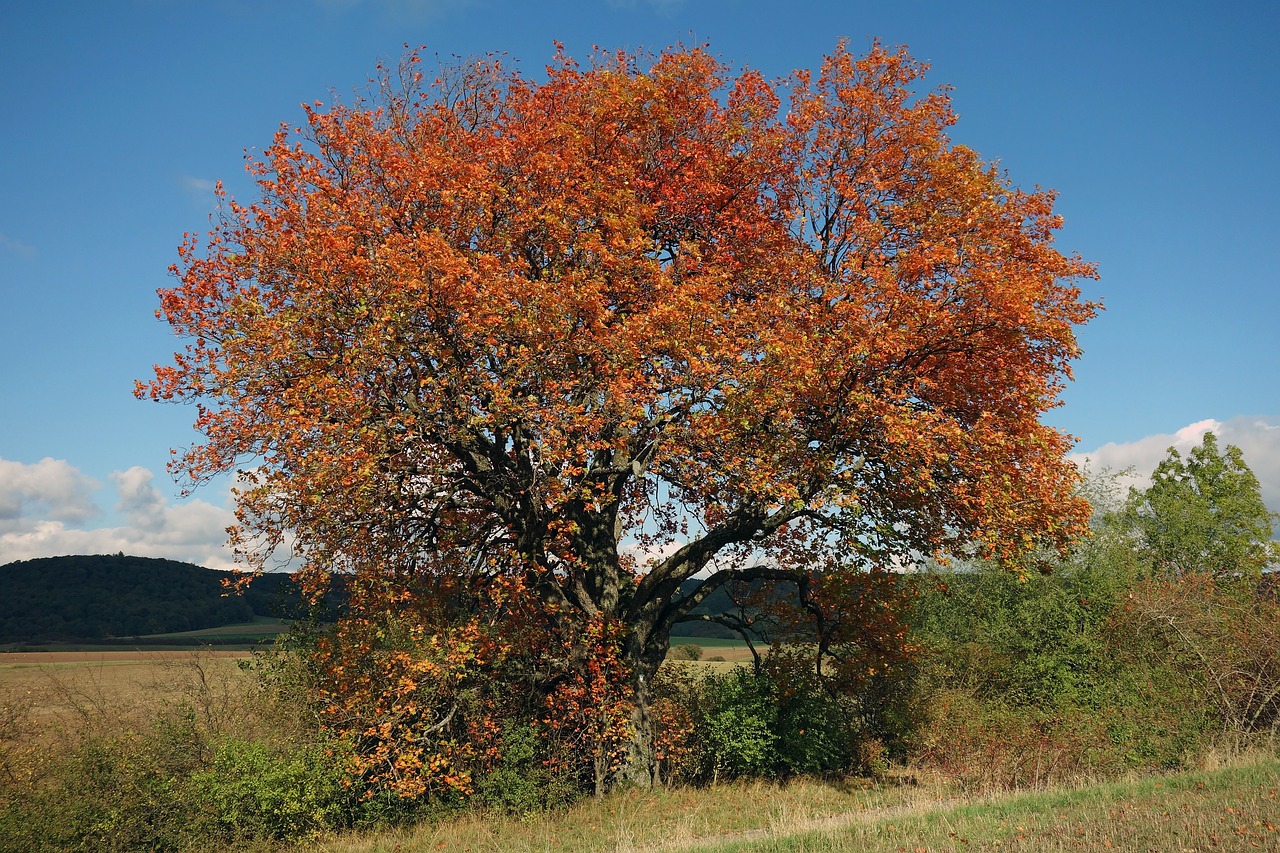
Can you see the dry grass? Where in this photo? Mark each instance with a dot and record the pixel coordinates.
(630, 822)
(1228, 809)
(52, 695)
(1231, 806)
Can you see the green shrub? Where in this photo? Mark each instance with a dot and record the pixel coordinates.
(170, 780)
(1025, 642)
(251, 790)
(774, 723)
(740, 738)
(687, 651)
(107, 793)
(523, 781)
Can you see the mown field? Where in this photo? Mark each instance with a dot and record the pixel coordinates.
(1232, 806)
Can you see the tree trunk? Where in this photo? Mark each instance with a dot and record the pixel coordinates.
(639, 769)
(643, 657)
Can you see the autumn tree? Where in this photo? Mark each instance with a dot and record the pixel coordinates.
(639, 322)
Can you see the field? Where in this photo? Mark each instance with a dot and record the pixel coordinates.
(1233, 806)
(239, 637)
(59, 691)
(716, 653)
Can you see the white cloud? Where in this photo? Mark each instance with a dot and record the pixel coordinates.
(139, 500)
(197, 190)
(43, 507)
(50, 487)
(17, 246)
(1257, 437)
(204, 186)
(647, 557)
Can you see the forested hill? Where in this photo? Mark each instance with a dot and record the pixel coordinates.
(95, 597)
(81, 598)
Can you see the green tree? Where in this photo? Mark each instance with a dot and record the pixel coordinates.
(1203, 513)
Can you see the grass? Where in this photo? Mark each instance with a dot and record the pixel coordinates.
(717, 654)
(708, 643)
(1232, 806)
(1235, 807)
(244, 636)
(1229, 808)
(75, 689)
(631, 820)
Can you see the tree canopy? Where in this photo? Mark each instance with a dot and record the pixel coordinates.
(641, 321)
(1203, 514)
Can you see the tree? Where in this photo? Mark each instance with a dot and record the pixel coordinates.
(625, 327)
(1203, 514)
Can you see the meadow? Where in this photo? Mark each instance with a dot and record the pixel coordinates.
(52, 704)
(1227, 808)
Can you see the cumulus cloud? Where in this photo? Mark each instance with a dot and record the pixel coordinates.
(1257, 437)
(140, 502)
(44, 507)
(51, 487)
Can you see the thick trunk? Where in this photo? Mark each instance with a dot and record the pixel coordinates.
(643, 654)
(641, 765)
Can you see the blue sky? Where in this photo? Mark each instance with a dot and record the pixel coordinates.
(1159, 124)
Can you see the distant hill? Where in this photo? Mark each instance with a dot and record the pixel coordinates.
(117, 597)
(102, 597)
(717, 602)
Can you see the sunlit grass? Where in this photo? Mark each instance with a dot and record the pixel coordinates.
(1231, 808)
(1234, 806)
(624, 821)
(261, 626)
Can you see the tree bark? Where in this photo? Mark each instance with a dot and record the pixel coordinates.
(643, 653)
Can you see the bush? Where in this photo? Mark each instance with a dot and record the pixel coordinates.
(106, 793)
(1086, 671)
(1221, 640)
(687, 651)
(169, 778)
(777, 722)
(524, 781)
(1025, 642)
(982, 745)
(738, 724)
(250, 790)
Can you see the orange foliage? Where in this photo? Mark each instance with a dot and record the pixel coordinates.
(481, 327)
(587, 715)
(421, 682)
